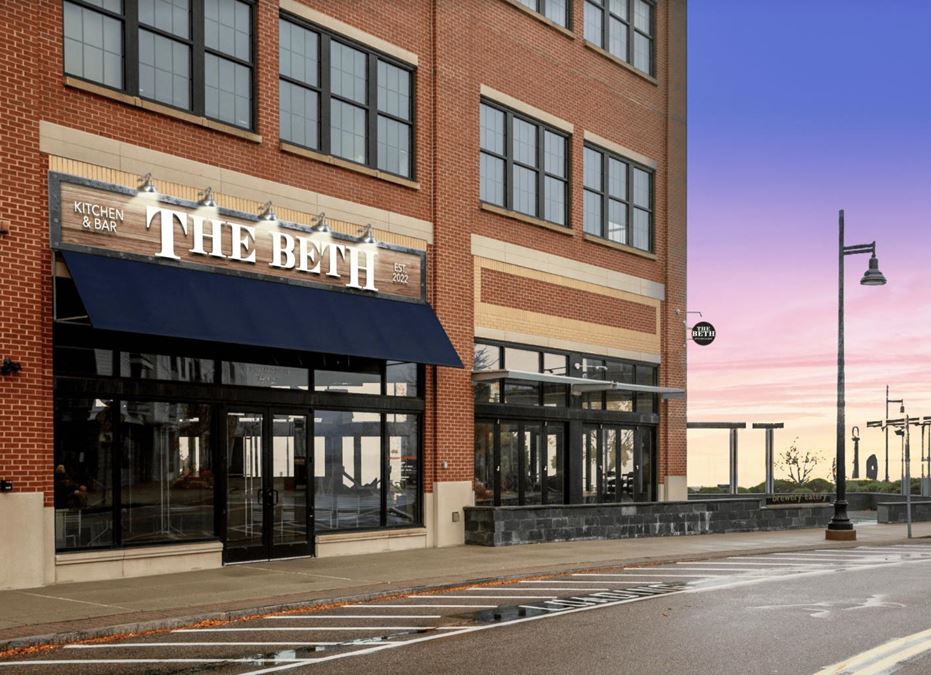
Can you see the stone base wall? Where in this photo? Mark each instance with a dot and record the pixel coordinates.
(894, 512)
(507, 525)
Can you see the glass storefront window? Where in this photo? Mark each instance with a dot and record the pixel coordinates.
(646, 402)
(617, 400)
(83, 361)
(483, 484)
(403, 469)
(347, 382)
(264, 375)
(554, 395)
(83, 473)
(401, 379)
(347, 470)
(509, 439)
(139, 366)
(167, 472)
(487, 357)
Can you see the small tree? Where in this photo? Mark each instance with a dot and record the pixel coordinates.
(798, 467)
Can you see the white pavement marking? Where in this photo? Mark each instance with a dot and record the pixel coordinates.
(713, 569)
(884, 658)
(261, 629)
(583, 583)
(354, 616)
(135, 645)
(428, 606)
(492, 597)
(536, 588)
(760, 564)
(805, 561)
(649, 575)
(435, 636)
(72, 662)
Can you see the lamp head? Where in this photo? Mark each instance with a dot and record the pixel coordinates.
(872, 276)
(206, 198)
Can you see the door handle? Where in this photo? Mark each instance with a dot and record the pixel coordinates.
(274, 496)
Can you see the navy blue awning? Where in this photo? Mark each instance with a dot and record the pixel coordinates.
(138, 297)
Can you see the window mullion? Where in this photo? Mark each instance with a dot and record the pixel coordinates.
(131, 47)
(605, 195)
(541, 173)
(509, 160)
(324, 132)
(383, 517)
(198, 58)
(371, 88)
(631, 31)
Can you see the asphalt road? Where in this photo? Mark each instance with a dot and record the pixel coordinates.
(803, 612)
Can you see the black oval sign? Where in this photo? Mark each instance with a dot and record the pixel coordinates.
(703, 333)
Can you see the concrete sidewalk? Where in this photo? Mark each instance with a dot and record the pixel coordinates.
(78, 611)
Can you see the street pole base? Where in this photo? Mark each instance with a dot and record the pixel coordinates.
(840, 535)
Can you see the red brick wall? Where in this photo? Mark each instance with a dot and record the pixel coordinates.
(509, 290)
(460, 46)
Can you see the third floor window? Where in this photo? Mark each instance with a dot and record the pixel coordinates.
(556, 11)
(618, 199)
(625, 28)
(196, 55)
(523, 164)
(340, 99)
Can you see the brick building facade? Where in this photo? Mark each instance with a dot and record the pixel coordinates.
(516, 264)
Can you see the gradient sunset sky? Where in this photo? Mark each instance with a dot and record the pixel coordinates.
(799, 108)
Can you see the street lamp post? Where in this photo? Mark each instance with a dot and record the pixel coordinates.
(886, 430)
(840, 526)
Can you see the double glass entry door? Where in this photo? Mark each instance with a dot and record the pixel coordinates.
(268, 511)
(520, 463)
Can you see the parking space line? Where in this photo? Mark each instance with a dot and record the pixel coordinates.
(492, 597)
(647, 576)
(74, 662)
(355, 616)
(136, 645)
(260, 629)
(429, 606)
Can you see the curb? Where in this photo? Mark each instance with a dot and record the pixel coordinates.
(52, 640)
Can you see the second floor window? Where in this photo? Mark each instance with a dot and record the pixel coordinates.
(340, 99)
(523, 164)
(618, 199)
(195, 55)
(625, 28)
(554, 10)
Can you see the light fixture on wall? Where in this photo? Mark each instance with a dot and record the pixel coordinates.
(268, 212)
(367, 236)
(10, 367)
(320, 226)
(146, 184)
(206, 198)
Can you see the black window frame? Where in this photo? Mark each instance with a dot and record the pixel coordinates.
(540, 129)
(197, 43)
(630, 207)
(540, 7)
(604, 6)
(372, 112)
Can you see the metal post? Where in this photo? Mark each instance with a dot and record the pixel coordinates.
(770, 486)
(908, 479)
(904, 489)
(840, 526)
(886, 431)
(856, 453)
(733, 462)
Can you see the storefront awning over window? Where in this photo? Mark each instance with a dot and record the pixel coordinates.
(580, 385)
(138, 297)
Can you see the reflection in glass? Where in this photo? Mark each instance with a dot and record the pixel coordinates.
(347, 382)
(264, 375)
(138, 366)
(403, 470)
(289, 479)
(553, 467)
(401, 379)
(347, 470)
(167, 473)
(510, 464)
(244, 499)
(484, 482)
(533, 464)
(83, 465)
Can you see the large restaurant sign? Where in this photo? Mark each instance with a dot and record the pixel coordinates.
(91, 215)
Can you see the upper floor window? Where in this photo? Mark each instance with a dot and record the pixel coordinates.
(341, 99)
(196, 55)
(618, 199)
(523, 164)
(556, 11)
(625, 28)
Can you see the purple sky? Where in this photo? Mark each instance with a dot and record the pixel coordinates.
(798, 109)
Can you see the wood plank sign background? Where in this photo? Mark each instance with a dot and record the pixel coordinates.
(91, 215)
